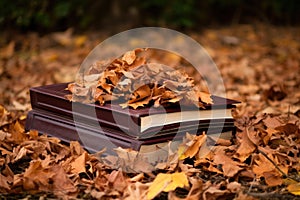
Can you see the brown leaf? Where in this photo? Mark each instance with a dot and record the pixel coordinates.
(272, 122)
(4, 114)
(62, 185)
(76, 148)
(140, 94)
(4, 183)
(78, 165)
(6, 179)
(36, 177)
(275, 92)
(229, 167)
(234, 187)
(288, 129)
(117, 179)
(213, 192)
(136, 190)
(246, 146)
(126, 78)
(262, 165)
(7, 51)
(273, 178)
(196, 189)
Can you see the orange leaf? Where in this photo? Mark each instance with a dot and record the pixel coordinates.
(129, 57)
(195, 147)
(78, 165)
(273, 178)
(246, 147)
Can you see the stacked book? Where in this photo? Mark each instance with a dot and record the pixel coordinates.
(109, 126)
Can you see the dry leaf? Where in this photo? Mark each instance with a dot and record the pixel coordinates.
(78, 165)
(167, 182)
(213, 192)
(7, 51)
(294, 189)
(129, 57)
(246, 146)
(192, 150)
(136, 190)
(118, 181)
(273, 178)
(229, 167)
(137, 83)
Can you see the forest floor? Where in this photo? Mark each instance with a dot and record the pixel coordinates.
(260, 66)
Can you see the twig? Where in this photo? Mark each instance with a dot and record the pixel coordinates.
(275, 165)
(251, 185)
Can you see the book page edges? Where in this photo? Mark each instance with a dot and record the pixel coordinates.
(185, 116)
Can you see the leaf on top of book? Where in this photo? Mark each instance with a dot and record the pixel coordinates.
(136, 82)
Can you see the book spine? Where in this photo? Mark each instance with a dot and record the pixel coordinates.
(83, 113)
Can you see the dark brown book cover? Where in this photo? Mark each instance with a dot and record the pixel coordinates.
(52, 98)
(95, 139)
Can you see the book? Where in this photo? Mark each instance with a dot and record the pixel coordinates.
(94, 139)
(141, 123)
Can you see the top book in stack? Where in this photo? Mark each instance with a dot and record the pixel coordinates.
(137, 123)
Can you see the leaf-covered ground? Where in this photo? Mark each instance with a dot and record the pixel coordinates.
(260, 67)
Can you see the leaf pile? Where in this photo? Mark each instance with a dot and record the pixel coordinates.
(136, 83)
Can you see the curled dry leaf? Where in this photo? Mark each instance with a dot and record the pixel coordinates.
(192, 150)
(136, 82)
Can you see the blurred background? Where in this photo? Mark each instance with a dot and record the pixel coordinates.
(115, 15)
(254, 43)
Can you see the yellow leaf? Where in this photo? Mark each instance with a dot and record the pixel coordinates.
(294, 189)
(158, 185)
(180, 152)
(167, 183)
(80, 40)
(178, 180)
(18, 127)
(289, 181)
